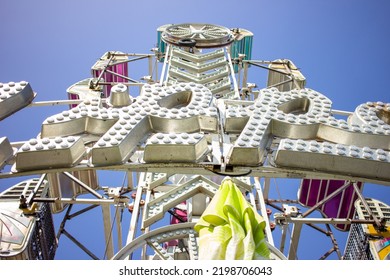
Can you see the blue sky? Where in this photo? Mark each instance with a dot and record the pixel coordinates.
(342, 47)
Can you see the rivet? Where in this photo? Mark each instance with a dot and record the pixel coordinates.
(313, 149)
(39, 147)
(26, 148)
(382, 157)
(354, 153)
(327, 150)
(367, 155)
(64, 145)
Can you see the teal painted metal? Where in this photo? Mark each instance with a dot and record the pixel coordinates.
(161, 45)
(242, 45)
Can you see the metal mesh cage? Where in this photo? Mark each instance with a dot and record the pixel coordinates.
(357, 247)
(43, 243)
(362, 243)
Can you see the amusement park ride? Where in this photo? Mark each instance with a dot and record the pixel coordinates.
(192, 121)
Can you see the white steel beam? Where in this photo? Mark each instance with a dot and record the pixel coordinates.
(109, 248)
(263, 210)
(296, 233)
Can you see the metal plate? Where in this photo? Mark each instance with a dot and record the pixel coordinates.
(205, 35)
